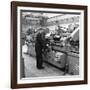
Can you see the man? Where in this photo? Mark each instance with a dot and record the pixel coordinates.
(40, 45)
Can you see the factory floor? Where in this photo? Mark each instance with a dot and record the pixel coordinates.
(30, 69)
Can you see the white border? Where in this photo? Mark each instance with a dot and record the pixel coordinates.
(57, 78)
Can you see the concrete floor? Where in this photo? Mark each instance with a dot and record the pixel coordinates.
(31, 70)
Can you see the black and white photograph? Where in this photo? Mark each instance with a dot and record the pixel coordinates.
(50, 44)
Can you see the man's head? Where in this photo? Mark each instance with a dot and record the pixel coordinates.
(40, 30)
(43, 30)
(46, 30)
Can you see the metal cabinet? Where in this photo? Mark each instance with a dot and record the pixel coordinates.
(73, 62)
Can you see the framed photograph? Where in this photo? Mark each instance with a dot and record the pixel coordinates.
(48, 44)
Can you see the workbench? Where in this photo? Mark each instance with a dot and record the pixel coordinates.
(68, 58)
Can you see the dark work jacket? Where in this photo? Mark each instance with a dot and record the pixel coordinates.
(40, 43)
